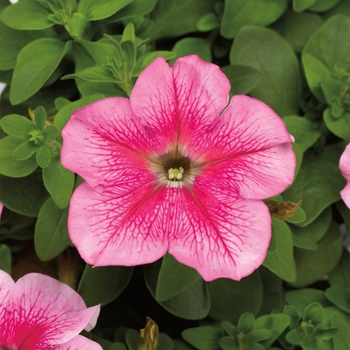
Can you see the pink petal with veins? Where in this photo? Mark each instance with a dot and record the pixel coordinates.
(344, 166)
(181, 102)
(110, 149)
(111, 228)
(219, 235)
(42, 311)
(80, 343)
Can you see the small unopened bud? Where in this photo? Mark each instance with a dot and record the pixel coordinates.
(282, 211)
(149, 336)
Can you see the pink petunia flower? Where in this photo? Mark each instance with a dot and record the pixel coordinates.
(39, 312)
(175, 169)
(344, 166)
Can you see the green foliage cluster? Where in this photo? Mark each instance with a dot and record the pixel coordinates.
(60, 55)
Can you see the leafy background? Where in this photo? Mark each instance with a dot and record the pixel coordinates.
(57, 56)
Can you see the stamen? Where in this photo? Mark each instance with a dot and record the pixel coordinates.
(175, 174)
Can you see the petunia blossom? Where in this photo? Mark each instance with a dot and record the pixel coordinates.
(344, 166)
(39, 312)
(177, 168)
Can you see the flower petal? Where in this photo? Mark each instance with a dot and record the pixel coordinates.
(80, 343)
(219, 236)
(344, 166)
(104, 145)
(45, 311)
(181, 101)
(256, 175)
(6, 283)
(112, 229)
(249, 146)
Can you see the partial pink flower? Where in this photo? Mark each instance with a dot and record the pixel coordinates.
(175, 168)
(344, 166)
(39, 312)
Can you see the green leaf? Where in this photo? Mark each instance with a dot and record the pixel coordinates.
(50, 133)
(230, 299)
(76, 25)
(208, 22)
(35, 64)
(191, 304)
(26, 14)
(338, 126)
(240, 13)
(340, 276)
(341, 9)
(318, 183)
(302, 5)
(298, 217)
(266, 51)
(276, 323)
(303, 130)
(341, 340)
(332, 88)
(24, 151)
(25, 195)
(229, 328)
(51, 232)
(204, 338)
(129, 53)
(315, 230)
(313, 313)
(292, 337)
(297, 28)
(323, 5)
(172, 18)
(327, 48)
(302, 241)
(312, 265)
(101, 285)
(301, 298)
(132, 338)
(5, 258)
(246, 323)
(272, 293)
(280, 261)
(136, 8)
(40, 117)
(188, 46)
(59, 182)
(87, 54)
(17, 125)
(243, 79)
(43, 156)
(339, 297)
(165, 342)
(258, 335)
(12, 41)
(96, 10)
(228, 343)
(174, 278)
(11, 167)
(129, 33)
(60, 102)
(98, 74)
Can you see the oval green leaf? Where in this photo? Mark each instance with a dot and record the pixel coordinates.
(35, 64)
(26, 15)
(267, 52)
